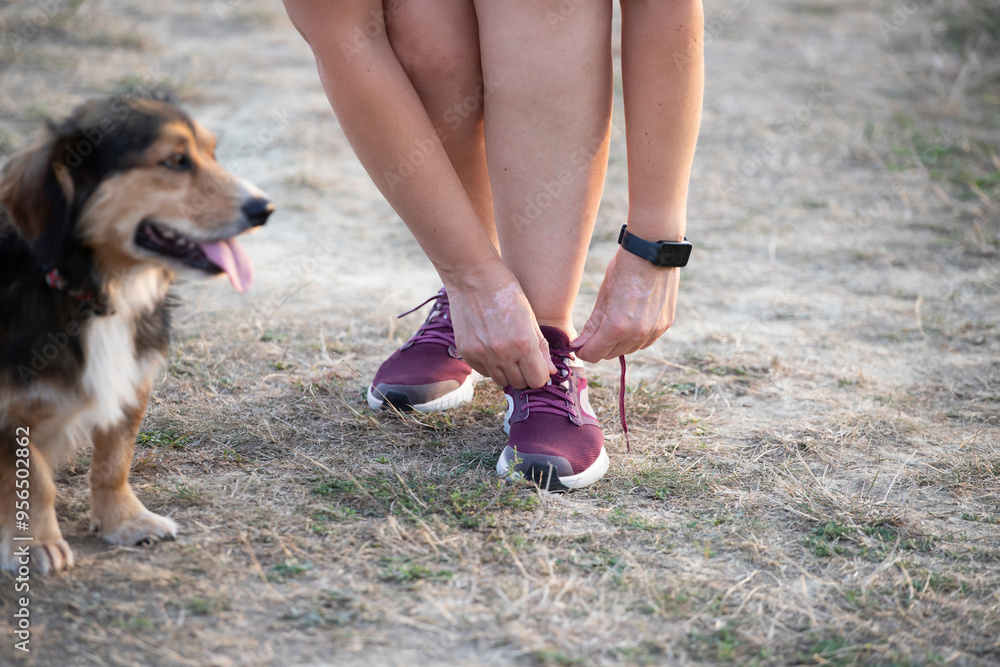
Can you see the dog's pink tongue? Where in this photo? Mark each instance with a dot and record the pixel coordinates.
(230, 256)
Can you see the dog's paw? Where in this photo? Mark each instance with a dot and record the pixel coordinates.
(48, 557)
(44, 557)
(51, 557)
(143, 527)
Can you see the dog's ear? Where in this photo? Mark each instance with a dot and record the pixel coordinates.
(38, 190)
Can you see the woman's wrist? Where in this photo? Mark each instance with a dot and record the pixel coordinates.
(657, 225)
(640, 267)
(489, 273)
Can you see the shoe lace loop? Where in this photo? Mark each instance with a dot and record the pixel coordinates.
(437, 328)
(554, 397)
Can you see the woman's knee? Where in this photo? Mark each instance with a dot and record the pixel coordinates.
(438, 48)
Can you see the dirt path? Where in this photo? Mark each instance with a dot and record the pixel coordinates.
(813, 475)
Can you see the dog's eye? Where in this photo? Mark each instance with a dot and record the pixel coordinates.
(177, 162)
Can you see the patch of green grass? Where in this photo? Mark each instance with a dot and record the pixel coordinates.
(290, 567)
(685, 388)
(402, 570)
(474, 461)
(187, 494)
(831, 650)
(462, 501)
(334, 514)
(666, 481)
(726, 370)
(137, 622)
(646, 653)
(832, 530)
(270, 335)
(723, 644)
(600, 559)
(335, 487)
(623, 519)
(547, 658)
(939, 582)
(972, 23)
(205, 606)
(167, 438)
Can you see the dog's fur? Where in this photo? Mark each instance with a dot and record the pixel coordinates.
(84, 314)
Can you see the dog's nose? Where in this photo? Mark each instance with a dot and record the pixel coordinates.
(258, 210)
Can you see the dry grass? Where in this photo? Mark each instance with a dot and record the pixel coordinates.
(814, 472)
(859, 537)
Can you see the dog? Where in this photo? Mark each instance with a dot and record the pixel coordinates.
(96, 219)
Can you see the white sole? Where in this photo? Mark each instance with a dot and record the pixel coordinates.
(452, 399)
(596, 471)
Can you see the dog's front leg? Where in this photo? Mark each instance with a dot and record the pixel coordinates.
(116, 514)
(33, 493)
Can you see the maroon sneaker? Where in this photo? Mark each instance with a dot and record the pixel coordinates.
(427, 373)
(554, 438)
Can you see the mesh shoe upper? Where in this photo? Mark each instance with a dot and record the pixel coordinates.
(428, 366)
(555, 425)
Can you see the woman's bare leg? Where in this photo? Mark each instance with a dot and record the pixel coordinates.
(437, 43)
(390, 130)
(547, 130)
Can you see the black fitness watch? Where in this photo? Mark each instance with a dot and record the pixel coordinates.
(660, 253)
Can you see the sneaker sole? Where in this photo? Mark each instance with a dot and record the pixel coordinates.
(452, 399)
(545, 476)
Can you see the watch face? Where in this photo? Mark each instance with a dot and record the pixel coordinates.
(674, 254)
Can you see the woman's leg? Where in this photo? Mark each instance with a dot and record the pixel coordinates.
(547, 130)
(390, 130)
(396, 140)
(437, 43)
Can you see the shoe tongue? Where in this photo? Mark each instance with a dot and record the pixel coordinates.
(230, 256)
(556, 337)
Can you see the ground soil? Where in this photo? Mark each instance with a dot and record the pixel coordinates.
(813, 475)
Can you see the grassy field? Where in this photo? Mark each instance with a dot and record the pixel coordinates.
(814, 475)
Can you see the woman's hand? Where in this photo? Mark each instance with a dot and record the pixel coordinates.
(495, 330)
(635, 306)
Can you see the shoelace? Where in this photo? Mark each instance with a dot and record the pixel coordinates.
(437, 328)
(554, 398)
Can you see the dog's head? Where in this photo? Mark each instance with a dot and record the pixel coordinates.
(130, 181)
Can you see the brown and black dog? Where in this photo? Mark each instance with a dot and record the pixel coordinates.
(95, 220)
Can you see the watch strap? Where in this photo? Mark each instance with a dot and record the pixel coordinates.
(653, 250)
